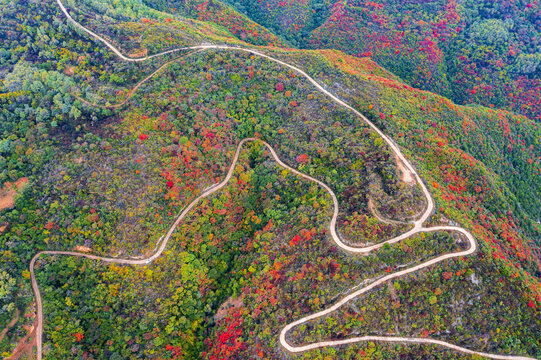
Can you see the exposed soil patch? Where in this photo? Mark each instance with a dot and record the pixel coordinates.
(228, 304)
(139, 54)
(8, 192)
(26, 344)
(84, 249)
(405, 174)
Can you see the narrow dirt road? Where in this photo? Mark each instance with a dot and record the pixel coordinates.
(136, 87)
(418, 225)
(10, 325)
(374, 211)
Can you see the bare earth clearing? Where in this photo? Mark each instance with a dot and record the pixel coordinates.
(8, 192)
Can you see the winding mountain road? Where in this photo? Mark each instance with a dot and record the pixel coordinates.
(417, 224)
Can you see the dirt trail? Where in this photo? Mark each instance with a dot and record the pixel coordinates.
(132, 91)
(24, 346)
(374, 211)
(10, 325)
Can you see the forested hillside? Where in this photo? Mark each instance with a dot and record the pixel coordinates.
(100, 156)
(484, 52)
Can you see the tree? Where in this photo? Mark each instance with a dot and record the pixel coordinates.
(7, 288)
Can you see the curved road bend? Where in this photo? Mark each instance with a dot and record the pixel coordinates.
(418, 224)
(134, 89)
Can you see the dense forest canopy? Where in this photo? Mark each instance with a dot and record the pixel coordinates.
(484, 52)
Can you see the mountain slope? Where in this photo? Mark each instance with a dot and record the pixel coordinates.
(257, 255)
(484, 52)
